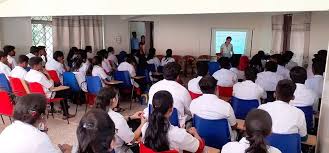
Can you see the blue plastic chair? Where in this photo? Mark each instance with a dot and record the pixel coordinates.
(123, 76)
(286, 143)
(4, 83)
(242, 107)
(144, 72)
(213, 67)
(94, 84)
(173, 118)
(216, 133)
(308, 112)
(28, 69)
(151, 67)
(70, 80)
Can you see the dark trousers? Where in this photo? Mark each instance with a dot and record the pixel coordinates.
(66, 95)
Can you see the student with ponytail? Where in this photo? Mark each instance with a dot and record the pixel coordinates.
(159, 135)
(168, 58)
(258, 127)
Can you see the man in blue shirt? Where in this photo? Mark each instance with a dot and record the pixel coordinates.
(134, 42)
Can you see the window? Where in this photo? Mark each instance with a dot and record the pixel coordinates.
(42, 33)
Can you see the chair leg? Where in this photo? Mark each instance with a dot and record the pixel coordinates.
(132, 95)
(3, 121)
(67, 118)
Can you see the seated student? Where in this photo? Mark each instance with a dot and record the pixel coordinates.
(34, 51)
(269, 78)
(281, 70)
(258, 127)
(234, 61)
(182, 98)
(112, 58)
(43, 53)
(225, 77)
(97, 70)
(249, 90)
(127, 65)
(57, 64)
(4, 68)
(257, 60)
(71, 55)
(108, 96)
(105, 63)
(287, 55)
(80, 67)
(315, 83)
(39, 75)
(303, 95)
(89, 51)
(159, 135)
(202, 71)
(152, 59)
(243, 64)
(19, 70)
(168, 58)
(10, 52)
(209, 106)
(286, 119)
(320, 56)
(25, 133)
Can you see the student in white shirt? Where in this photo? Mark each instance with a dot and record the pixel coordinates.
(108, 96)
(182, 98)
(202, 71)
(105, 63)
(168, 58)
(234, 67)
(112, 58)
(4, 68)
(127, 66)
(286, 119)
(34, 51)
(248, 89)
(226, 49)
(258, 127)
(25, 133)
(303, 95)
(80, 67)
(19, 70)
(97, 70)
(159, 135)
(315, 83)
(43, 53)
(10, 52)
(89, 51)
(152, 59)
(225, 77)
(289, 63)
(269, 78)
(281, 70)
(57, 64)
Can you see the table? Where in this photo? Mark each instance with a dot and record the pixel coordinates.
(138, 77)
(212, 150)
(114, 82)
(59, 88)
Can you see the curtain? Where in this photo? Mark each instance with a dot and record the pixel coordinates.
(277, 34)
(77, 31)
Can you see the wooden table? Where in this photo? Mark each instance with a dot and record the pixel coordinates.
(114, 82)
(59, 88)
(138, 77)
(212, 150)
(311, 140)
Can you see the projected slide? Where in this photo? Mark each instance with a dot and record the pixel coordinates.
(238, 40)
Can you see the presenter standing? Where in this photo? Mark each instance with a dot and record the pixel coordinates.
(226, 49)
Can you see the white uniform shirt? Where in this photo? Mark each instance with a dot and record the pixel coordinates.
(225, 78)
(178, 138)
(303, 96)
(36, 76)
(154, 61)
(248, 90)
(30, 55)
(165, 61)
(106, 66)
(286, 119)
(18, 72)
(124, 133)
(193, 85)
(242, 145)
(21, 137)
(125, 66)
(99, 71)
(5, 69)
(11, 61)
(284, 72)
(80, 75)
(181, 96)
(111, 57)
(239, 74)
(268, 80)
(227, 49)
(315, 83)
(52, 64)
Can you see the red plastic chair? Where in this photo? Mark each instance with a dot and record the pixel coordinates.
(144, 149)
(6, 107)
(194, 95)
(17, 87)
(225, 91)
(54, 76)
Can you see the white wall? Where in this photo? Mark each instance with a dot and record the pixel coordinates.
(139, 28)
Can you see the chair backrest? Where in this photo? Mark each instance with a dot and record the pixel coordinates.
(216, 133)
(151, 67)
(144, 149)
(6, 107)
(94, 84)
(17, 86)
(173, 118)
(27, 69)
(144, 72)
(194, 95)
(54, 76)
(36, 87)
(4, 83)
(308, 112)
(70, 80)
(123, 76)
(270, 96)
(205, 57)
(242, 107)
(286, 143)
(225, 91)
(213, 67)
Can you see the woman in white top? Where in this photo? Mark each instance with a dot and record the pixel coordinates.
(105, 63)
(10, 52)
(193, 84)
(258, 127)
(168, 58)
(152, 59)
(226, 49)
(97, 70)
(4, 68)
(108, 96)
(80, 67)
(159, 135)
(19, 70)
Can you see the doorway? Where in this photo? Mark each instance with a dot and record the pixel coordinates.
(141, 28)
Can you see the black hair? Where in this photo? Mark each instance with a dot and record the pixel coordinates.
(258, 127)
(261, 53)
(224, 62)
(298, 74)
(97, 60)
(95, 132)
(71, 53)
(28, 108)
(171, 71)
(105, 96)
(281, 60)
(2, 54)
(110, 49)
(8, 48)
(34, 49)
(229, 37)
(285, 90)
(168, 54)
(77, 62)
(251, 74)
(202, 68)
(22, 59)
(102, 53)
(88, 49)
(156, 135)
(318, 67)
(208, 85)
(288, 55)
(58, 54)
(35, 61)
(151, 53)
(235, 60)
(41, 47)
(271, 66)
